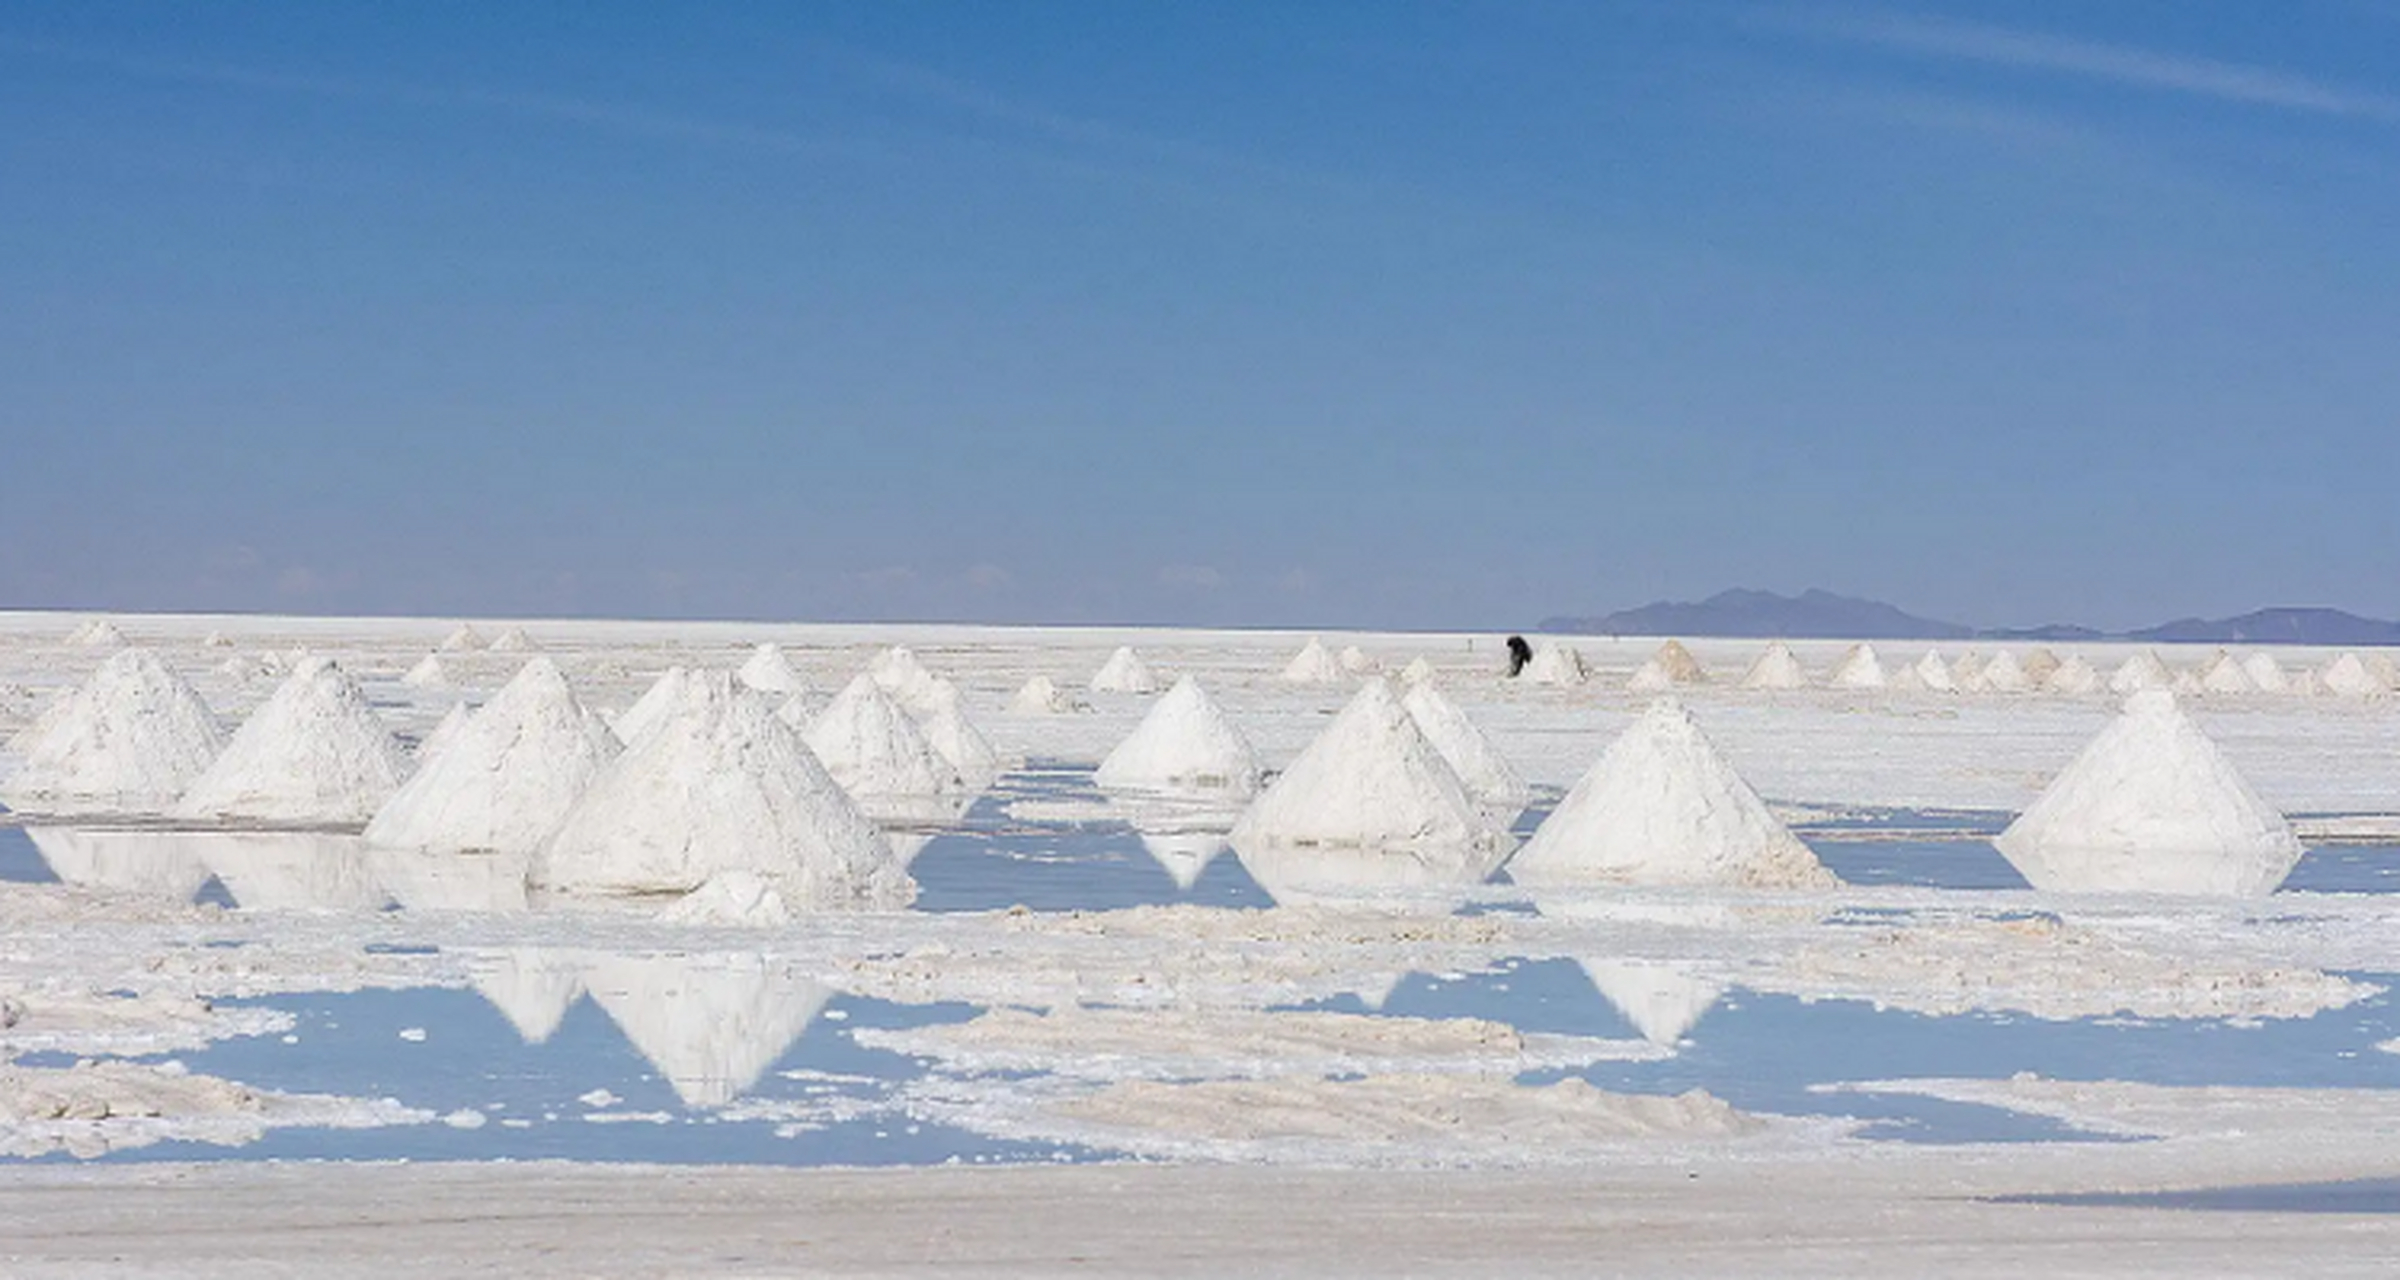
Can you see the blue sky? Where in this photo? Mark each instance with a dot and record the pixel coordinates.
(1325, 314)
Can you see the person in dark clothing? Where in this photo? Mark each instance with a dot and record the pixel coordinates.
(1519, 653)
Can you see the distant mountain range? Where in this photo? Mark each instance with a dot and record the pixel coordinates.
(1822, 615)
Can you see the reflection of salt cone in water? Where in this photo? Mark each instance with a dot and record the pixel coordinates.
(1375, 990)
(1184, 854)
(154, 864)
(292, 870)
(907, 844)
(1661, 1001)
(711, 1024)
(531, 987)
(1297, 874)
(439, 880)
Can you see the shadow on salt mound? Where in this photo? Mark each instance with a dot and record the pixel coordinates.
(711, 1024)
(1672, 667)
(1556, 664)
(2151, 806)
(1860, 669)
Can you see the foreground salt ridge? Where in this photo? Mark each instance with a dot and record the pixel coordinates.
(95, 1108)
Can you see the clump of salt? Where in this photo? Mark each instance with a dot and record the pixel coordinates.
(216, 640)
(1661, 806)
(2073, 677)
(768, 671)
(1934, 674)
(2224, 673)
(507, 777)
(1185, 742)
(429, 673)
(99, 633)
(874, 749)
(1040, 696)
(1358, 662)
(2348, 676)
(2151, 805)
(462, 639)
(1314, 664)
(129, 740)
(2141, 671)
(443, 732)
(946, 725)
(1418, 671)
(1488, 778)
(665, 694)
(1371, 779)
(1672, 667)
(1859, 669)
(1124, 672)
(2265, 672)
(903, 676)
(1777, 668)
(314, 752)
(2038, 666)
(514, 640)
(1556, 664)
(2003, 675)
(731, 898)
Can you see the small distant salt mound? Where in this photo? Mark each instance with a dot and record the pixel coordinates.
(875, 750)
(1672, 667)
(2304, 683)
(1967, 671)
(2073, 677)
(531, 987)
(2225, 674)
(1777, 668)
(2187, 683)
(1418, 671)
(2141, 671)
(444, 732)
(1557, 664)
(506, 778)
(1661, 806)
(1905, 679)
(2348, 676)
(768, 671)
(2266, 673)
(216, 640)
(720, 784)
(710, 1024)
(944, 720)
(742, 898)
(903, 676)
(1662, 1002)
(1356, 661)
(2151, 805)
(669, 691)
(1371, 779)
(429, 673)
(1185, 742)
(514, 640)
(2038, 665)
(1934, 674)
(99, 633)
(1040, 696)
(1314, 664)
(465, 639)
(2385, 669)
(2003, 675)
(314, 752)
(1488, 778)
(1124, 672)
(1858, 669)
(129, 740)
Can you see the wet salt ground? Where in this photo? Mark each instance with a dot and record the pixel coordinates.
(2369, 1195)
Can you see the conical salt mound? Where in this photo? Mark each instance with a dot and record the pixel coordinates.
(1040, 696)
(1777, 668)
(721, 784)
(1357, 662)
(2266, 673)
(314, 752)
(2384, 669)
(874, 749)
(2348, 676)
(2151, 805)
(1184, 742)
(531, 987)
(429, 673)
(443, 733)
(1858, 669)
(99, 633)
(1371, 779)
(671, 690)
(1418, 671)
(464, 639)
(768, 671)
(944, 720)
(1934, 674)
(1556, 664)
(514, 640)
(2224, 674)
(2003, 675)
(900, 673)
(2038, 666)
(1662, 1002)
(2073, 677)
(1662, 807)
(2304, 683)
(2141, 671)
(130, 740)
(1124, 672)
(711, 1024)
(509, 776)
(1488, 778)
(1314, 664)
(1966, 671)
(1906, 679)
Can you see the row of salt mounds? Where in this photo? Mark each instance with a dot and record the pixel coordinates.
(1488, 777)
(1373, 780)
(1672, 667)
(1041, 696)
(721, 784)
(1777, 668)
(429, 673)
(1314, 664)
(99, 633)
(2151, 805)
(2348, 675)
(506, 777)
(871, 746)
(1184, 743)
(769, 671)
(1662, 806)
(130, 739)
(1556, 664)
(1858, 669)
(314, 752)
(1124, 672)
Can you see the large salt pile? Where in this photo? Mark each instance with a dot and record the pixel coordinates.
(1488, 778)
(1858, 669)
(2151, 805)
(1040, 696)
(2348, 676)
(874, 749)
(1662, 1002)
(1934, 674)
(1777, 668)
(944, 720)
(429, 673)
(514, 640)
(1124, 672)
(2003, 675)
(1185, 742)
(669, 691)
(768, 671)
(99, 633)
(463, 639)
(1358, 662)
(721, 784)
(903, 676)
(2265, 672)
(129, 740)
(2038, 666)
(507, 777)
(2073, 677)
(1967, 671)
(2224, 674)
(1371, 779)
(2141, 671)
(1314, 664)
(1661, 806)
(313, 752)
(1672, 667)
(711, 1024)
(1557, 664)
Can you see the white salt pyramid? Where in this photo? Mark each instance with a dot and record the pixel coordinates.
(903, 676)
(1858, 669)
(1933, 674)
(1124, 672)
(1488, 778)
(443, 732)
(508, 777)
(1371, 779)
(944, 720)
(152, 864)
(2038, 665)
(1184, 742)
(532, 987)
(671, 690)
(314, 752)
(1357, 662)
(2141, 671)
(2347, 676)
(721, 784)
(129, 740)
(1777, 668)
(99, 633)
(2003, 675)
(1418, 671)
(2151, 805)
(1661, 806)
(514, 640)
(2073, 677)
(1662, 1001)
(2304, 683)
(1967, 671)
(2224, 673)
(1906, 679)
(710, 1024)
(2384, 669)
(2265, 672)
(768, 671)
(429, 673)
(1556, 664)
(462, 639)
(1672, 667)
(1314, 664)
(874, 749)
(1040, 696)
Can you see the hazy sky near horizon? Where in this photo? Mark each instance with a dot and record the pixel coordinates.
(1378, 314)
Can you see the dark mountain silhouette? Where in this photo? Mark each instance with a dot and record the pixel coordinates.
(1822, 615)
(2276, 626)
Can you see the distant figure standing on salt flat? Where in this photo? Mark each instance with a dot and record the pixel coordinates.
(1519, 653)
